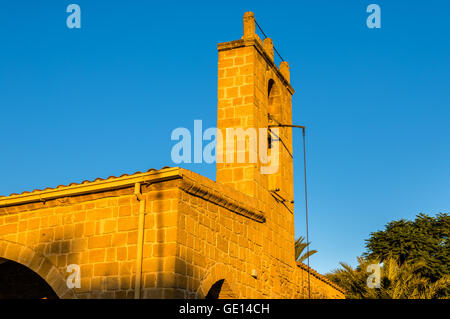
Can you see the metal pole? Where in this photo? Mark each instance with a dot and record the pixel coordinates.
(306, 193)
(306, 210)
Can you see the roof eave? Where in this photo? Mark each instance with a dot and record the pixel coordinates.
(92, 187)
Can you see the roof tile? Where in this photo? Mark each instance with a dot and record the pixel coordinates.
(83, 182)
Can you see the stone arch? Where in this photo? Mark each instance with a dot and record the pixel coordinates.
(37, 262)
(221, 277)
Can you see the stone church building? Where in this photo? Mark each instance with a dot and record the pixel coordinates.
(171, 233)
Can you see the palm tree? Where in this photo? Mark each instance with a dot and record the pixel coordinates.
(300, 246)
(397, 281)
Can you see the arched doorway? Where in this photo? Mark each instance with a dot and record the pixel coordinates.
(20, 282)
(220, 290)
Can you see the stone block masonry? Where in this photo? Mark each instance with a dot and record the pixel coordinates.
(171, 232)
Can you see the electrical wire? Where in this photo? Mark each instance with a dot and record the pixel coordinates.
(265, 36)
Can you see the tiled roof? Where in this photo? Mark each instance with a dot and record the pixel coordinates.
(319, 276)
(82, 183)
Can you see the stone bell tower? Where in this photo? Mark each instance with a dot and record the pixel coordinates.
(255, 94)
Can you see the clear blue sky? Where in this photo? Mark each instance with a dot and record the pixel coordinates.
(103, 100)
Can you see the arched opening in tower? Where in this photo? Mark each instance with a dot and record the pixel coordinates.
(20, 282)
(274, 100)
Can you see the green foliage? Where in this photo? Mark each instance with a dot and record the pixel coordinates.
(397, 281)
(300, 246)
(415, 258)
(426, 239)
